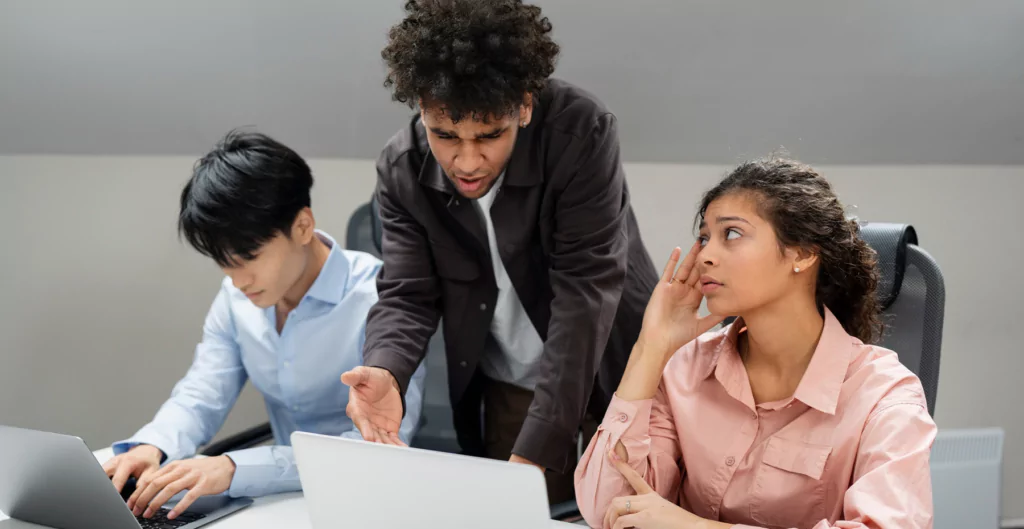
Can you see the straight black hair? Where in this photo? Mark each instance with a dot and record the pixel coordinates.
(242, 194)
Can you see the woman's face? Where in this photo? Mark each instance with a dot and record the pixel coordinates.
(741, 266)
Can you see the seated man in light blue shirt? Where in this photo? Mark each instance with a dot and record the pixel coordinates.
(289, 317)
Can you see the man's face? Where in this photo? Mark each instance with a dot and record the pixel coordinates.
(473, 153)
(276, 266)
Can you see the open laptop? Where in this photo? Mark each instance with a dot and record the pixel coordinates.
(361, 484)
(53, 480)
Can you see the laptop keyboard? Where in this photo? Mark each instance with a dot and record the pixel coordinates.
(160, 521)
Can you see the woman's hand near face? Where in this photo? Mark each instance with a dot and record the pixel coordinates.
(671, 320)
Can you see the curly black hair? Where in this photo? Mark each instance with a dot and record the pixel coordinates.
(475, 58)
(805, 212)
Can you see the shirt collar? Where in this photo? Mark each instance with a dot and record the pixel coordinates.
(822, 381)
(820, 386)
(330, 283)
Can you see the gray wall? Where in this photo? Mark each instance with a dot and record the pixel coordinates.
(871, 81)
(100, 305)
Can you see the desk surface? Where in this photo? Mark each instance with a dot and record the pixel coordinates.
(280, 510)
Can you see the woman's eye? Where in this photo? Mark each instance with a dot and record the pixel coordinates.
(703, 240)
(731, 234)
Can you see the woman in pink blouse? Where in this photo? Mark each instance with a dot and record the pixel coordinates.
(786, 418)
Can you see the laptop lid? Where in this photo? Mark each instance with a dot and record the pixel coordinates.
(360, 484)
(54, 480)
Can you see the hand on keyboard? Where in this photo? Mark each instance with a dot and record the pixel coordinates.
(160, 521)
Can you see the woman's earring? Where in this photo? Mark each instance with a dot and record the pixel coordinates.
(797, 269)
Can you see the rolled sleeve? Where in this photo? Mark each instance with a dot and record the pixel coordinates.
(646, 430)
(629, 422)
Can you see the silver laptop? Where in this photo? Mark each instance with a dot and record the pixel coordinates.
(53, 480)
(354, 483)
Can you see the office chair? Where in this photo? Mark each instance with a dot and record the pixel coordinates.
(912, 296)
(966, 464)
(363, 231)
(437, 429)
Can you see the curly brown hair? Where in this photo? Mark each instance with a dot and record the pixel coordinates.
(805, 212)
(476, 58)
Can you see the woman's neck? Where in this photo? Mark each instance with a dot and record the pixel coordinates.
(780, 341)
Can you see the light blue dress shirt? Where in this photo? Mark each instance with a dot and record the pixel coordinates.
(298, 372)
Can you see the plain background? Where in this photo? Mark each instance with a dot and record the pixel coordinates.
(915, 111)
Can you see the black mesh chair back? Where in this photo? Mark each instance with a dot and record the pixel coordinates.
(912, 295)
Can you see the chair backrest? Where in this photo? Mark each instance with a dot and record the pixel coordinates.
(363, 232)
(437, 428)
(912, 295)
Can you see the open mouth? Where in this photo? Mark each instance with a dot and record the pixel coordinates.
(469, 184)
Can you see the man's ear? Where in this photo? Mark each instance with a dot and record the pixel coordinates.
(526, 110)
(304, 227)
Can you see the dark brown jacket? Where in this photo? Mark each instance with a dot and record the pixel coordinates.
(569, 241)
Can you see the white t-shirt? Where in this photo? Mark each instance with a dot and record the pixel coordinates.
(520, 345)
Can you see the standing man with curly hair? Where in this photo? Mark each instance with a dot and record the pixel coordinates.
(505, 214)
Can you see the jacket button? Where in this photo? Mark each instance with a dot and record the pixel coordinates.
(509, 248)
(462, 363)
(623, 417)
(730, 461)
(483, 306)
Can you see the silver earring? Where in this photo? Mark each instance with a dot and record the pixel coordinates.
(797, 269)
(522, 124)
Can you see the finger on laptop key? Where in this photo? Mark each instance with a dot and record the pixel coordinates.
(120, 477)
(185, 503)
(167, 493)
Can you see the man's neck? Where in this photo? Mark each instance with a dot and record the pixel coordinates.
(316, 255)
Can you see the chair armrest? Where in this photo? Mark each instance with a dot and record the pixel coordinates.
(240, 441)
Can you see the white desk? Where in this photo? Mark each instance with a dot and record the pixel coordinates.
(280, 510)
